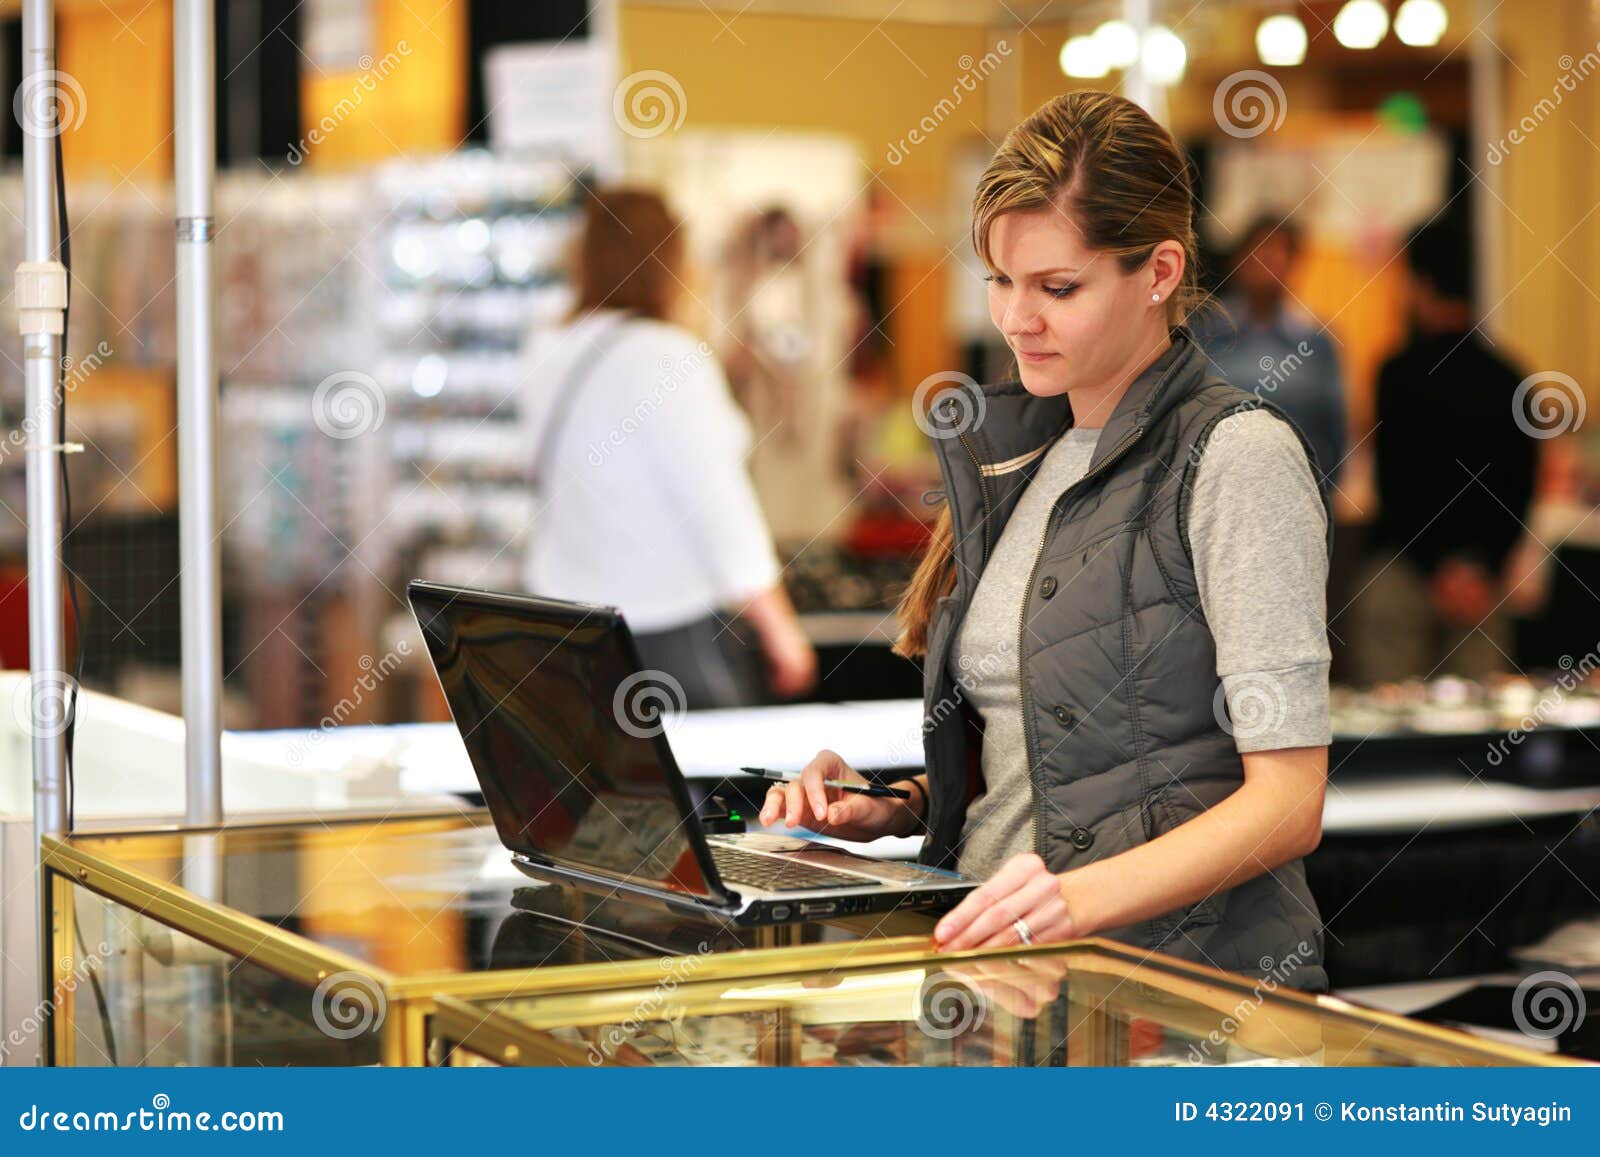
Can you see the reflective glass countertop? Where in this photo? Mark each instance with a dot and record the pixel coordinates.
(1086, 1003)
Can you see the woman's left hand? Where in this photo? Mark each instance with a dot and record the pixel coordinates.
(1023, 889)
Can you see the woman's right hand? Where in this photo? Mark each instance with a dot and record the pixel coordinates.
(808, 803)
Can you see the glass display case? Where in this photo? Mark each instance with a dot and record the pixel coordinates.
(411, 939)
(899, 1003)
(325, 942)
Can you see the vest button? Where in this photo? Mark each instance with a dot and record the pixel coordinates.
(1064, 716)
(1082, 838)
(1048, 587)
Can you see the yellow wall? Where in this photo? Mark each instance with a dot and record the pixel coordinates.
(1552, 190)
(411, 99)
(120, 53)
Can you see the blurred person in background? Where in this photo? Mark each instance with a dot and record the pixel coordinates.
(1263, 341)
(643, 501)
(1455, 476)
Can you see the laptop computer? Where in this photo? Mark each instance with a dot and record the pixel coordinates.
(566, 733)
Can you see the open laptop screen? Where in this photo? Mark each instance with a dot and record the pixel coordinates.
(561, 733)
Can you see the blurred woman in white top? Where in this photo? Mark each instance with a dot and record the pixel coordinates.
(642, 496)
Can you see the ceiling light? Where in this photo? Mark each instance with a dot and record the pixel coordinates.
(1281, 41)
(1361, 24)
(1081, 57)
(1420, 23)
(1117, 42)
(1164, 55)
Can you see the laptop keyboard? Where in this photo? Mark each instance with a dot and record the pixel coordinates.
(778, 874)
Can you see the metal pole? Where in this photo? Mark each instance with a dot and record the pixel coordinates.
(41, 294)
(201, 581)
(40, 285)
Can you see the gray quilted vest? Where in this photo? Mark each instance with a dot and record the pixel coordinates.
(1118, 665)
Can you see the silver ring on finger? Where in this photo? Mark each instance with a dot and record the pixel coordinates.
(1024, 933)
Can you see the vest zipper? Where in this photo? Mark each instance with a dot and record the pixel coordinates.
(983, 492)
(1029, 740)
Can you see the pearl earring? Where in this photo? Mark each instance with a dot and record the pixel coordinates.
(1155, 297)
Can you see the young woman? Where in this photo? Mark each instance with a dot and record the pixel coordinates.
(1121, 613)
(643, 500)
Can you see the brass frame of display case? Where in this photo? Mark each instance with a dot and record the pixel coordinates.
(412, 1001)
(501, 1038)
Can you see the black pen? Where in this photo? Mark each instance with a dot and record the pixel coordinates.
(842, 784)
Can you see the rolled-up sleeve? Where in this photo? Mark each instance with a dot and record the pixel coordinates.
(1258, 535)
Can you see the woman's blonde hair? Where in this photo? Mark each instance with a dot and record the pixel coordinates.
(1120, 177)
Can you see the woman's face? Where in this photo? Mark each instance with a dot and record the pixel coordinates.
(1053, 296)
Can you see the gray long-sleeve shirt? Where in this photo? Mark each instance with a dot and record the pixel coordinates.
(1257, 530)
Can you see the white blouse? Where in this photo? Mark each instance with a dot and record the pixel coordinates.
(645, 502)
